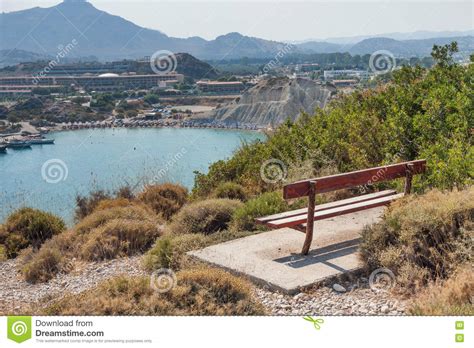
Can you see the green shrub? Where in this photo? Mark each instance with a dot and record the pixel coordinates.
(165, 199)
(204, 217)
(205, 291)
(170, 251)
(422, 238)
(119, 237)
(265, 204)
(230, 190)
(28, 227)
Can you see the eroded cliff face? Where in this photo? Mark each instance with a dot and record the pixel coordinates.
(272, 101)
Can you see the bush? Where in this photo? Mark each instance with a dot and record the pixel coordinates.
(450, 297)
(165, 199)
(85, 205)
(112, 203)
(42, 266)
(119, 237)
(204, 217)
(205, 291)
(51, 258)
(266, 204)
(170, 251)
(230, 190)
(104, 234)
(28, 227)
(100, 217)
(422, 238)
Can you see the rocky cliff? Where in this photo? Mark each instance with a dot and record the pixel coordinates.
(272, 101)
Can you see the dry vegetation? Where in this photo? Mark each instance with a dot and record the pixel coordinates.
(207, 217)
(28, 227)
(453, 296)
(203, 291)
(165, 199)
(422, 238)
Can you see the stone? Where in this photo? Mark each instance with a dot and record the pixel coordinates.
(339, 288)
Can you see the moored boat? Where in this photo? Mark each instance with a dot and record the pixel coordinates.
(40, 141)
(18, 144)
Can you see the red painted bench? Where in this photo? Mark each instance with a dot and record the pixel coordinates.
(303, 219)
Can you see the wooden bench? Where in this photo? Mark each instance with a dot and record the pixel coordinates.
(303, 219)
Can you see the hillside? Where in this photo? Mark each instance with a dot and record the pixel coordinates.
(273, 101)
(186, 64)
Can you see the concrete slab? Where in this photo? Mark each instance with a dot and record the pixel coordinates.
(273, 258)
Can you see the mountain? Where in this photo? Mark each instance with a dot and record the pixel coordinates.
(88, 31)
(416, 35)
(410, 48)
(272, 101)
(99, 33)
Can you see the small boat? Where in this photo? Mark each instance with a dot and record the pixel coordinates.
(18, 144)
(39, 140)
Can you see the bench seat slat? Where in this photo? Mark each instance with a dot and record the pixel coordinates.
(326, 206)
(328, 213)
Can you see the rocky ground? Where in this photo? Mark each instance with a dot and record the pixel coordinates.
(15, 293)
(345, 298)
(349, 299)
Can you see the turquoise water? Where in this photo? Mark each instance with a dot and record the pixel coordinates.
(49, 177)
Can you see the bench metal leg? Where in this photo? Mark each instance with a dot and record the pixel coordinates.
(310, 223)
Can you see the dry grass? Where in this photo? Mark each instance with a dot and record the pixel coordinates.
(104, 234)
(119, 237)
(113, 203)
(230, 190)
(204, 217)
(205, 291)
(134, 212)
(43, 265)
(422, 238)
(165, 199)
(450, 297)
(28, 227)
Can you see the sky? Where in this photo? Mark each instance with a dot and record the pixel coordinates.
(282, 20)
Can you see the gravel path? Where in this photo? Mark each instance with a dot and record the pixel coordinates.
(358, 299)
(15, 293)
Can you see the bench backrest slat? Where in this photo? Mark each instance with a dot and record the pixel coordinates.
(353, 179)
